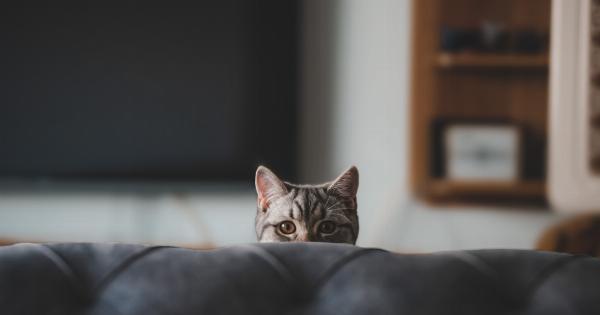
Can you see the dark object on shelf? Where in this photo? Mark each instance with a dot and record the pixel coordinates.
(454, 39)
(294, 278)
(450, 39)
(492, 38)
(527, 41)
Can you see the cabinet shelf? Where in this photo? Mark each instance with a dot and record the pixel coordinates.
(524, 189)
(481, 60)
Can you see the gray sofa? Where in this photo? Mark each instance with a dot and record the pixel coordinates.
(294, 278)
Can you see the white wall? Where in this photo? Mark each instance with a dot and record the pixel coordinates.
(355, 98)
(356, 75)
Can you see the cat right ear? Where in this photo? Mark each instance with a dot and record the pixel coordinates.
(346, 184)
(268, 187)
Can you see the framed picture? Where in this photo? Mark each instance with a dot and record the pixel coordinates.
(482, 152)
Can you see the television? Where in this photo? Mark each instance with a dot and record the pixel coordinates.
(147, 91)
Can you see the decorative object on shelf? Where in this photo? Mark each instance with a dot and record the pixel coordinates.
(492, 37)
(482, 152)
(455, 39)
(528, 41)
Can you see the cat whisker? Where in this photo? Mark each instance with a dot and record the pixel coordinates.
(332, 205)
(339, 209)
(327, 202)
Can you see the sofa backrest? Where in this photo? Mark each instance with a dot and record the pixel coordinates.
(292, 278)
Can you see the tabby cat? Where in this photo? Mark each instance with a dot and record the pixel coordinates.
(306, 213)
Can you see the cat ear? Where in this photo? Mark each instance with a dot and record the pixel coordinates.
(346, 185)
(268, 186)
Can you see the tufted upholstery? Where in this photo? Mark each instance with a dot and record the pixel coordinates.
(298, 278)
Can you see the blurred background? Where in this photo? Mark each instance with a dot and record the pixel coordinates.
(145, 122)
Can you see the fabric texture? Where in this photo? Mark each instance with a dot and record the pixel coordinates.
(291, 278)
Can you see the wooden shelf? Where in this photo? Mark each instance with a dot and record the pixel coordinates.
(521, 189)
(475, 60)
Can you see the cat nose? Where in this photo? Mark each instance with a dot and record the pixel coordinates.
(303, 237)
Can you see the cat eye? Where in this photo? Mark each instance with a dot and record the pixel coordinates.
(327, 227)
(287, 227)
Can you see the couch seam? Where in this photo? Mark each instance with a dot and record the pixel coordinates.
(61, 263)
(341, 263)
(119, 269)
(275, 263)
(529, 290)
(477, 263)
(547, 273)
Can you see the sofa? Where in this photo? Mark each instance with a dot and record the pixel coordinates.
(291, 278)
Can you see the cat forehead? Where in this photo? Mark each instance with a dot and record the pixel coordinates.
(306, 196)
(308, 192)
(323, 186)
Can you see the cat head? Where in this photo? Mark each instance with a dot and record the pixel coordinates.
(306, 213)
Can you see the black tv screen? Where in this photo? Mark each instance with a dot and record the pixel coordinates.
(147, 90)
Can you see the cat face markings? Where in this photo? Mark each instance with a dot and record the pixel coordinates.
(306, 213)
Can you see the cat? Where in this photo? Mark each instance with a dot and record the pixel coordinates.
(289, 212)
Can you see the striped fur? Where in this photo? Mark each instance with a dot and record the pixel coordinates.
(308, 207)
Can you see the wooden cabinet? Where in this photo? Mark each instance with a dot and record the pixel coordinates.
(478, 85)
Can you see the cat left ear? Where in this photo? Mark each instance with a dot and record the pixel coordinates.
(268, 186)
(346, 185)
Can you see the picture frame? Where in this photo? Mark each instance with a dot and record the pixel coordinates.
(483, 152)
